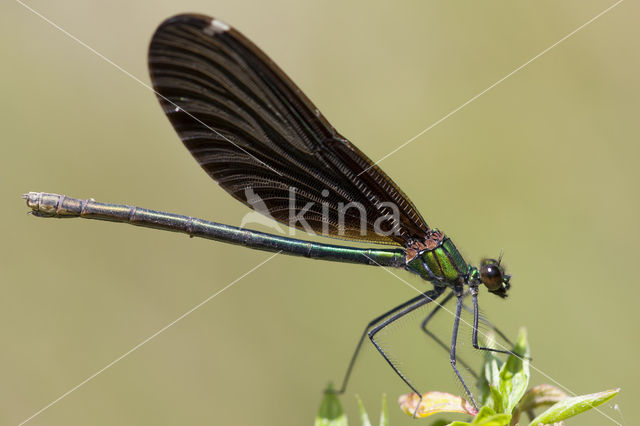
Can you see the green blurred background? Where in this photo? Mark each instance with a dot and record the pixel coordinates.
(543, 166)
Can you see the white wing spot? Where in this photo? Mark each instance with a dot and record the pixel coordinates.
(216, 27)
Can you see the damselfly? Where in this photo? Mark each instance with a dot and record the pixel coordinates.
(262, 140)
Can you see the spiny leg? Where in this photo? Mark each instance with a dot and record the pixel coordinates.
(435, 338)
(434, 311)
(474, 297)
(427, 297)
(444, 346)
(456, 322)
(488, 323)
(366, 330)
(482, 319)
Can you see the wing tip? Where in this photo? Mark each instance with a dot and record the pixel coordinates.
(211, 26)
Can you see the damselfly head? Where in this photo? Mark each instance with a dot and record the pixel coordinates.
(493, 276)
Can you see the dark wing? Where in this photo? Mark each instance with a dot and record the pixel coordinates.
(257, 135)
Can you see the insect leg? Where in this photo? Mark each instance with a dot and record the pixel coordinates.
(372, 323)
(427, 297)
(456, 322)
(474, 297)
(439, 341)
(489, 324)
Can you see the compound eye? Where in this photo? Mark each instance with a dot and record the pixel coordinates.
(491, 274)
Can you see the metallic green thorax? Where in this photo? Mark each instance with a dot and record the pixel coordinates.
(439, 262)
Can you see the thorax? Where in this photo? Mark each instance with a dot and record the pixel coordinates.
(436, 259)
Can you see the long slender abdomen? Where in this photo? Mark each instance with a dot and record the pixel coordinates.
(60, 206)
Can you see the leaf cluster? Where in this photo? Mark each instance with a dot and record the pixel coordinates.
(504, 396)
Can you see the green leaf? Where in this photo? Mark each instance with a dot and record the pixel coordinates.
(330, 412)
(490, 373)
(514, 374)
(488, 417)
(384, 413)
(536, 397)
(442, 422)
(484, 413)
(496, 420)
(496, 399)
(572, 406)
(364, 417)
